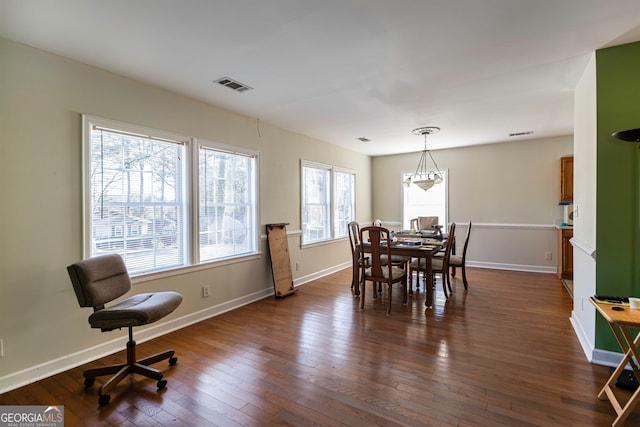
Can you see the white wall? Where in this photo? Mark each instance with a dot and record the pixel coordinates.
(42, 97)
(510, 191)
(584, 195)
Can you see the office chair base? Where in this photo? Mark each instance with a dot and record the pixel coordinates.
(133, 366)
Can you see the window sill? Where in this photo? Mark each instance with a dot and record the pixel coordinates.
(191, 268)
(322, 243)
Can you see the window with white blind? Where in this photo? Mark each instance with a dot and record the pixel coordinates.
(227, 207)
(328, 201)
(344, 201)
(138, 187)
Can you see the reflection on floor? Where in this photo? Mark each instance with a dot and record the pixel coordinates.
(568, 285)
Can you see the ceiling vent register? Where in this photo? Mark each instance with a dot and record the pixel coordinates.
(233, 84)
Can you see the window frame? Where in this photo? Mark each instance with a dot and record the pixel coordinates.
(190, 177)
(255, 214)
(332, 235)
(338, 170)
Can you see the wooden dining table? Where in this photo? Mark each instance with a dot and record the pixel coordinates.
(423, 252)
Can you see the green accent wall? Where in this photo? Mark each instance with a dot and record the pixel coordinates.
(617, 219)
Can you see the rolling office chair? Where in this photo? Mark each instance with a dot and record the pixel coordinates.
(99, 280)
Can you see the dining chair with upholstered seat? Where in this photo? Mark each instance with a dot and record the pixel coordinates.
(102, 279)
(358, 263)
(396, 260)
(376, 270)
(424, 222)
(461, 260)
(439, 265)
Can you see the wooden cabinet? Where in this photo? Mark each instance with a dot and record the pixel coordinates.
(565, 254)
(566, 179)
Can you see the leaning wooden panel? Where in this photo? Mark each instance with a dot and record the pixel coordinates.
(280, 262)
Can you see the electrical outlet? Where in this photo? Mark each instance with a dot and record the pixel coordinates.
(547, 255)
(298, 266)
(205, 291)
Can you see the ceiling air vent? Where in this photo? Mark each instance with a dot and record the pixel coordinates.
(233, 84)
(363, 139)
(529, 132)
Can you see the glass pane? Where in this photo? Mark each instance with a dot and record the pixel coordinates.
(137, 200)
(227, 204)
(316, 210)
(345, 203)
(316, 224)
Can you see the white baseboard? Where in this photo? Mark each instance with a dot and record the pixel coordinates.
(607, 358)
(583, 339)
(514, 267)
(594, 355)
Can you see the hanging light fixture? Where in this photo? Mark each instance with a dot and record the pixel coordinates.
(422, 177)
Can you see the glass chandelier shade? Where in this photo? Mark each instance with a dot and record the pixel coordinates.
(423, 177)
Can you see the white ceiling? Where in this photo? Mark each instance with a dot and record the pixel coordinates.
(337, 70)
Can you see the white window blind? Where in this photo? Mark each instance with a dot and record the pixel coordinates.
(316, 202)
(328, 201)
(344, 201)
(227, 203)
(137, 199)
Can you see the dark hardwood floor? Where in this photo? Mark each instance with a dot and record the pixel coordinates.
(501, 354)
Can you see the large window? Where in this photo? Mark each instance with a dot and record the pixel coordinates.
(418, 202)
(227, 203)
(328, 201)
(344, 201)
(138, 187)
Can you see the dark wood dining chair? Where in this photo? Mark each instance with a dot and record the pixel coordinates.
(424, 222)
(461, 260)
(376, 270)
(439, 264)
(358, 263)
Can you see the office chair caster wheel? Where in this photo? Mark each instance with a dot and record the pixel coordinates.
(173, 361)
(161, 384)
(104, 399)
(88, 382)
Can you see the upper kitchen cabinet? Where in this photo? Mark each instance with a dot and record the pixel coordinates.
(566, 179)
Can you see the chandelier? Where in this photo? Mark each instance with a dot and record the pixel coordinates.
(422, 177)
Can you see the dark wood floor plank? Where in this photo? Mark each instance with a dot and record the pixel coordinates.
(502, 354)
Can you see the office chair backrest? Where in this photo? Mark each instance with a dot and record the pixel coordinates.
(99, 280)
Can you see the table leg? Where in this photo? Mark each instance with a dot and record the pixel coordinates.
(428, 281)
